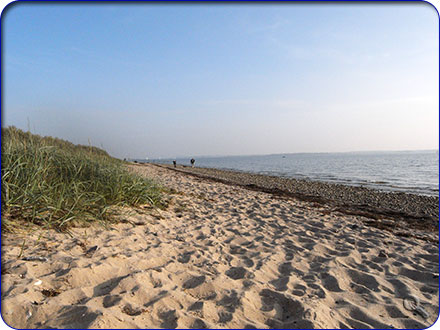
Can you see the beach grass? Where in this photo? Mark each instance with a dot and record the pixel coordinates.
(55, 184)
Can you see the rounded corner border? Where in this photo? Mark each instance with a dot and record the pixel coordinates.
(5, 5)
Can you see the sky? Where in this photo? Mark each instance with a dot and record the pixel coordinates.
(177, 80)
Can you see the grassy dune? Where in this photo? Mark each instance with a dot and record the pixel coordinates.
(54, 183)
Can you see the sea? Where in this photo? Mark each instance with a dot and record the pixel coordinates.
(414, 172)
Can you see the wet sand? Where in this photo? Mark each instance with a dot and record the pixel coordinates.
(222, 255)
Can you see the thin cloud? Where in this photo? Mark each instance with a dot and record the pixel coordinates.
(267, 104)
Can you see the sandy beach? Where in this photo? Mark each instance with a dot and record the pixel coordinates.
(226, 256)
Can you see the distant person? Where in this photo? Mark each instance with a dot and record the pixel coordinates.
(192, 162)
(174, 163)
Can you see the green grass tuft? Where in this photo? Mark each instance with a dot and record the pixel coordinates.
(54, 183)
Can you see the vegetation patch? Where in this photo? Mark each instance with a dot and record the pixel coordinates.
(54, 183)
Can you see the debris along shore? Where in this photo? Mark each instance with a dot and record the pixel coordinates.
(388, 210)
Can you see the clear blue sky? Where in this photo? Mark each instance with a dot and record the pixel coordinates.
(167, 80)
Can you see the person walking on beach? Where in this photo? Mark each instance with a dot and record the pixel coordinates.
(192, 162)
(174, 163)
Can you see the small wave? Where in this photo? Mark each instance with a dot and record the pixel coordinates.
(384, 172)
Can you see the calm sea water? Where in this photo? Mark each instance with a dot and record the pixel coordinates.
(407, 171)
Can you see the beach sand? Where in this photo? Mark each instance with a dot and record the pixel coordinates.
(220, 256)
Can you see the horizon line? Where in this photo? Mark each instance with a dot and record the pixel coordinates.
(284, 153)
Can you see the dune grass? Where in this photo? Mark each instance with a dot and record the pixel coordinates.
(54, 183)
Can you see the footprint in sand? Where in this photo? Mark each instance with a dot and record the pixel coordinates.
(194, 282)
(111, 300)
(169, 319)
(185, 257)
(198, 324)
(224, 317)
(197, 306)
(247, 261)
(289, 313)
(132, 311)
(236, 273)
(280, 284)
(229, 302)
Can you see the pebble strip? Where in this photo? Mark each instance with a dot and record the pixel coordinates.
(409, 207)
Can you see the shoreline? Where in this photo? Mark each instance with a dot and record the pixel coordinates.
(387, 177)
(387, 210)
